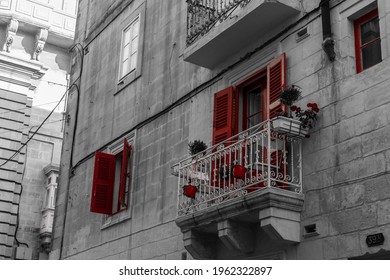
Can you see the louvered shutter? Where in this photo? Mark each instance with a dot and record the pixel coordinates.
(223, 115)
(124, 175)
(276, 81)
(103, 183)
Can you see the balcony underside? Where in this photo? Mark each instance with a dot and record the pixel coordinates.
(242, 28)
(276, 211)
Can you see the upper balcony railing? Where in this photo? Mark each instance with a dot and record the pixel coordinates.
(202, 15)
(260, 157)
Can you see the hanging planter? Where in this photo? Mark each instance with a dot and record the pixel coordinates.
(239, 172)
(289, 126)
(190, 191)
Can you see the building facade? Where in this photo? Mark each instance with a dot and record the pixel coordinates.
(34, 68)
(154, 76)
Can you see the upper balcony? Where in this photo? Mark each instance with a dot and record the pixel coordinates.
(219, 29)
(249, 183)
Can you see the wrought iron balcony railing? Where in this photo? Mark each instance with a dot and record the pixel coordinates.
(202, 15)
(260, 157)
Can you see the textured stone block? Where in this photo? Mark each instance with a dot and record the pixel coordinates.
(310, 250)
(376, 141)
(348, 245)
(330, 200)
(353, 219)
(349, 150)
(377, 188)
(352, 195)
(384, 212)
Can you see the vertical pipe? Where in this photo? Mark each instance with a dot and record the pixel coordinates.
(328, 42)
(326, 24)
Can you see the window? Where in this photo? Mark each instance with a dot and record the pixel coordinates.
(367, 41)
(129, 50)
(236, 109)
(51, 192)
(111, 181)
(253, 100)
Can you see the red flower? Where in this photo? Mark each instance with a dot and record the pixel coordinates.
(315, 109)
(294, 108)
(310, 105)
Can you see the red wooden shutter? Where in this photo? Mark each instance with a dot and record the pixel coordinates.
(276, 81)
(223, 115)
(103, 183)
(124, 175)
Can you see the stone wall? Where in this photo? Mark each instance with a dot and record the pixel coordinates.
(346, 159)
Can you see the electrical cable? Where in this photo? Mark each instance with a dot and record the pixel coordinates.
(81, 50)
(20, 198)
(36, 131)
(25, 127)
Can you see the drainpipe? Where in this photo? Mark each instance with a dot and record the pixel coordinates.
(328, 42)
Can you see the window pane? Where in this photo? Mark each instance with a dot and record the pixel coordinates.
(47, 200)
(126, 53)
(127, 37)
(371, 54)
(125, 67)
(135, 29)
(134, 45)
(370, 31)
(133, 61)
(254, 107)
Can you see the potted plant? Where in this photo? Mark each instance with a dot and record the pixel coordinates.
(239, 171)
(190, 190)
(196, 147)
(302, 120)
(289, 96)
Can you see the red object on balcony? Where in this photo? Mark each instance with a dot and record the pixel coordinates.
(190, 191)
(239, 172)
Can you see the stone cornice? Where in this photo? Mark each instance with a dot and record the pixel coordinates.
(20, 71)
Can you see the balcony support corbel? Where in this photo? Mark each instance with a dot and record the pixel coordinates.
(281, 224)
(236, 236)
(12, 28)
(200, 245)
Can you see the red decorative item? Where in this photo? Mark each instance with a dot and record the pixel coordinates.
(239, 172)
(190, 191)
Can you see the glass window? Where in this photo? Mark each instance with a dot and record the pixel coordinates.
(367, 41)
(130, 48)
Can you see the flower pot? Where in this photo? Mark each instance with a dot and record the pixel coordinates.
(190, 191)
(289, 126)
(239, 172)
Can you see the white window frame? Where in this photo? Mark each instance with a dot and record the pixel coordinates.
(132, 42)
(130, 18)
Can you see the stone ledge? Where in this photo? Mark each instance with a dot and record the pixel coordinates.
(276, 211)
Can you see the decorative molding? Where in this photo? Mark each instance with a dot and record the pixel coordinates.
(40, 40)
(12, 28)
(20, 72)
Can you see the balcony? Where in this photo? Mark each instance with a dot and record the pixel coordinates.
(219, 29)
(248, 185)
(58, 17)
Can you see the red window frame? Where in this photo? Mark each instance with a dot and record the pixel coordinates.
(226, 102)
(104, 179)
(358, 46)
